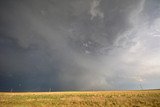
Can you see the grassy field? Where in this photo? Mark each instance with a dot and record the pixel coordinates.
(147, 98)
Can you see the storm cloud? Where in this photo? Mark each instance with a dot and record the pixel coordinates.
(79, 44)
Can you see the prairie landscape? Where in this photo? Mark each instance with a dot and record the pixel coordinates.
(145, 98)
(70, 45)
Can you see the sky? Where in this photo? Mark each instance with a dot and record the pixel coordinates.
(63, 45)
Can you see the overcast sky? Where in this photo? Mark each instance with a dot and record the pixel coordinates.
(79, 45)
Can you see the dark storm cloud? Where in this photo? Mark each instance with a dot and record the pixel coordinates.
(73, 44)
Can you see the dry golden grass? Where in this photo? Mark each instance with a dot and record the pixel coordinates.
(147, 98)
